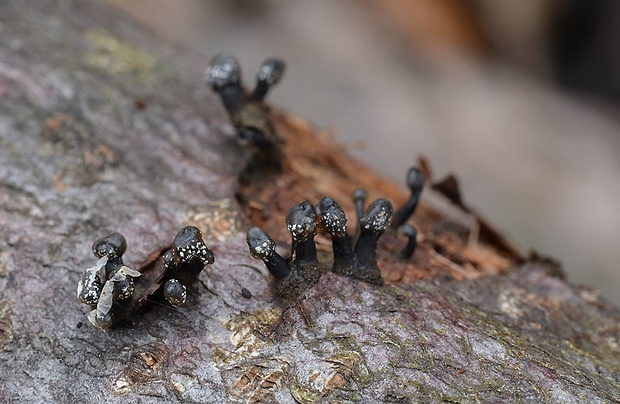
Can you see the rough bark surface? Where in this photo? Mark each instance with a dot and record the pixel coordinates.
(103, 128)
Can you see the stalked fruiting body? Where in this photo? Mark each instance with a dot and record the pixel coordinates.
(334, 222)
(183, 262)
(359, 262)
(359, 199)
(109, 284)
(301, 272)
(411, 233)
(248, 112)
(415, 182)
(263, 247)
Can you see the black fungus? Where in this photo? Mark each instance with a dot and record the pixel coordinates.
(248, 112)
(415, 182)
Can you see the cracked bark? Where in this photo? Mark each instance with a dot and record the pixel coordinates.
(103, 128)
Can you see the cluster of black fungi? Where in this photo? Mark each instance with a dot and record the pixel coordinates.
(109, 285)
(355, 257)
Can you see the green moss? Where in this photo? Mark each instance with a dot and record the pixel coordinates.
(115, 57)
(303, 394)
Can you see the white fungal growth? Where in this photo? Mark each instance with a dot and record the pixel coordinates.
(105, 299)
(125, 271)
(89, 287)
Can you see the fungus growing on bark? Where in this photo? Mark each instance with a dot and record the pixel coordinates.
(248, 112)
(415, 182)
(301, 271)
(263, 247)
(109, 282)
(359, 262)
(269, 73)
(411, 233)
(175, 292)
(183, 262)
(109, 286)
(301, 223)
(359, 198)
(334, 222)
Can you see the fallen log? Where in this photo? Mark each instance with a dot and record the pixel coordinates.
(104, 128)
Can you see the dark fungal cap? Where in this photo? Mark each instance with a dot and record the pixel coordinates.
(223, 71)
(269, 73)
(261, 245)
(168, 259)
(333, 219)
(359, 195)
(301, 222)
(415, 179)
(188, 244)
(415, 182)
(123, 282)
(175, 292)
(183, 263)
(377, 216)
(271, 70)
(112, 246)
(90, 286)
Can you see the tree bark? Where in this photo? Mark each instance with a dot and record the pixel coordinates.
(104, 128)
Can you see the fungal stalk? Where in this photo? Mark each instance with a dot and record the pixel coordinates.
(334, 222)
(359, 262)
(301, 223)
(224, 77)
(415, 182)
(264, 248)
(372, 226)
(269, 73)
(411, 233)
(248, 112)
(359, 198)
(301, 272)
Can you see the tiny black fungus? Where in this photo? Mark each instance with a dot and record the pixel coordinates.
(301, 223)
(301, 271)
(359, 198)
(109, 286)
(334, 222)
(372, 225)
(359, 262)
(175, 292)
(263, 247)
(411, 233)
(183, 262)
(248, 112)
(109, 283)
(269, 73)
(112, 246)
(415, 182)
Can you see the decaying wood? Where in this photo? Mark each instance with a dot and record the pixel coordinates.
(103, 128)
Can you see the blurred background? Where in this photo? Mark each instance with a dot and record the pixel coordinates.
(518, 99)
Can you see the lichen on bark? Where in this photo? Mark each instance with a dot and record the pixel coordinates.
(104, 128)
